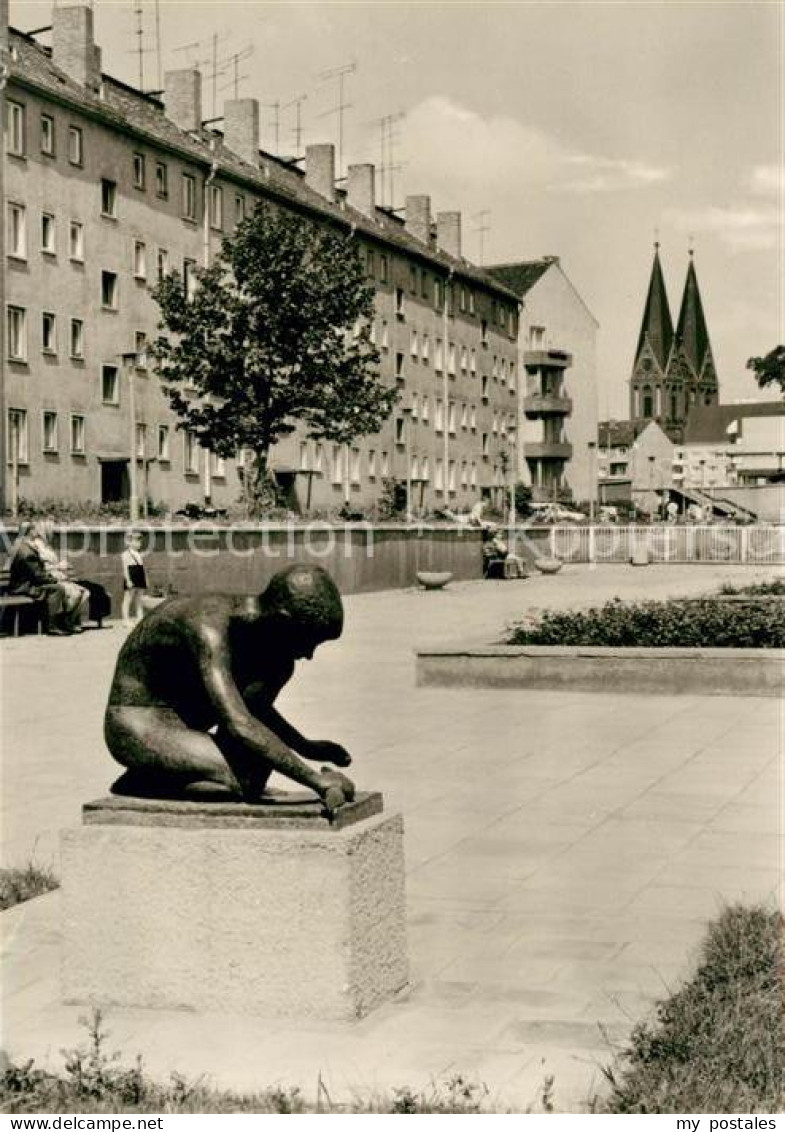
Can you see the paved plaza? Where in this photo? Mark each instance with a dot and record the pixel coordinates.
(564, 850)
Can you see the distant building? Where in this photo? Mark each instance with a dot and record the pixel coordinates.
(732, 444)
(557, 411)
(673, 372)
(107, 189)
(634, 463)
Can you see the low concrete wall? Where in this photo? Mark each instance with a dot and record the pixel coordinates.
(665, 671)
(202, 557)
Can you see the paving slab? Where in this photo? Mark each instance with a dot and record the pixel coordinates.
(564, 850)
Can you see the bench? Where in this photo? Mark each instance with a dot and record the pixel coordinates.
(12, 606)
(510, 567)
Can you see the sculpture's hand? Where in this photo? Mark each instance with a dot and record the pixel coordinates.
(325, 750)
(338, 789)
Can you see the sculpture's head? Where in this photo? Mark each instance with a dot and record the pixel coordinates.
(306, 606)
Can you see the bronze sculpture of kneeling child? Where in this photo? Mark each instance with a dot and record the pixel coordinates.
(190, 710)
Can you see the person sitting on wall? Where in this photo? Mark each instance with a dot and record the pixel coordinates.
(190, 710)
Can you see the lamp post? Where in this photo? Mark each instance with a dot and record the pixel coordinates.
(130, 360)
(592, 477)
(511, 433)
(407, 415)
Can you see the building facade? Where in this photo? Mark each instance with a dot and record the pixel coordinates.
(634, 463)
(557, 352)
(106, 190)
(673, 372)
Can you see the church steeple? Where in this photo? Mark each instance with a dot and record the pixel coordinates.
(691, 333)
(657, 326)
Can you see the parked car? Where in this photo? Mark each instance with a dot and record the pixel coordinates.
(545, 513)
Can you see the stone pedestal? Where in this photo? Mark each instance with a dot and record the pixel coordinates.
(235, 908)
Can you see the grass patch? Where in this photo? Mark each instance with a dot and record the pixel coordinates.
(702, 623)
(20, 884)
(717, 1044)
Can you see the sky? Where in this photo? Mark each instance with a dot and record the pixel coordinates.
(580, 129)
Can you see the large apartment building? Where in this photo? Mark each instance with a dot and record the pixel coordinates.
(106, 189)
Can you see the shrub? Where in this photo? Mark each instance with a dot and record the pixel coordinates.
(718, 1043)
(692, 624)
(773, 587)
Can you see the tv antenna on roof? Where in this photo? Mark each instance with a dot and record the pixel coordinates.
(339, 73)
(482, 227)
(298, 127)
(210, 60)
(388, 166)
(234, 62)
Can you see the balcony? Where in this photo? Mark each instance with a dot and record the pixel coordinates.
(548, 450)
(547, 359)
(539, 405)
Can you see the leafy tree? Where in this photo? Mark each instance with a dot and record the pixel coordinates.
(770, 370)
(276, 334)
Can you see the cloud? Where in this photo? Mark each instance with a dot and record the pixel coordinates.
(766, 180)
(741, 228)
(444, 139)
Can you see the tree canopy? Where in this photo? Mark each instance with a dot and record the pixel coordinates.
(770, 369)
(274, 335)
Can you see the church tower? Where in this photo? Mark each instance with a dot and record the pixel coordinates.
(672, 372)
(692, 378)
(653, 352)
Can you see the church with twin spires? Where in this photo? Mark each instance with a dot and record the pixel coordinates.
(673, 372)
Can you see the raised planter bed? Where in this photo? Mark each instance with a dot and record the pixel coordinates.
(662, 671)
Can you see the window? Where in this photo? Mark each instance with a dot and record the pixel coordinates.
(473, 362)
(318, 459)
(384, 269)
(303, 455)
(424, 283)
(464, 475)
(415, 406)
(48, 135)
(385, 335)
(141, 441)
(162, 266)
(400, 300)
(76, 240)
(464, 359)
(354, 472)
(217, 466)
(17, 334)
(139, 171)
(337, 465)
(426, 410)
(437, 294)
(495, 368)
(438, 362)
(473, 418)
(425, 352)
(48, 333)
(451, 365)
(495, 425)
(369, 262)
(190, 280)
(485, 388)
(371, 464)
(372, 333)
(77, 434)
(484, 331)
(385, 464)
(471, 301)
(189, 453)
(451, 418)
(438, 416)
(108, 198)
(399, 367)
(109, 290)
(463, 298)
(414, 347)
(474, 474)
(426, 468)
(413, 279)
(77, 338)
(15, 128)
(48, 233)
(400, 431)
(140, 347)
(140, 259)
(163, 442)
(110, 385)
(439, 480)
(75, 146)
(536, 337)
(16, 230)
(189, 197)
(50, 432)
(216, 207)
(239, 208)
(161, 180)
(17, 436)
(464, 416)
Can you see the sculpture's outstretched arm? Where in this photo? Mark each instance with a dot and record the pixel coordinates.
(251, 736)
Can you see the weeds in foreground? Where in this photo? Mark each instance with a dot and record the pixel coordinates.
(20, 884)
(718, 1043)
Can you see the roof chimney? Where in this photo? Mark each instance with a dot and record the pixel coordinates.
(418, 218)
(320, 169)
(241, 128)
(73, 48)
(361, 188)
(183, 98)
(448, 233)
